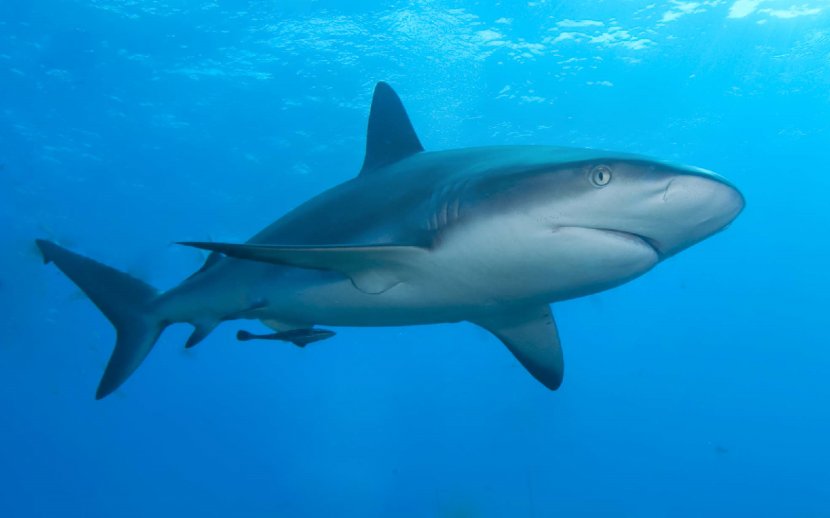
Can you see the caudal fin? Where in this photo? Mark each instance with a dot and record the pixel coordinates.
(123, 299)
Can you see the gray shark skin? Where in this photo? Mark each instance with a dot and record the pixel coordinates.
(488, 235)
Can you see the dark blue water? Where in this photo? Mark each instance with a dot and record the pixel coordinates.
(699, 389)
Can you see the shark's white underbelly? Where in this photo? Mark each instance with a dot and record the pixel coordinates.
(474, 271)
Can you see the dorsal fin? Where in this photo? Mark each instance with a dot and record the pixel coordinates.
(390, 136)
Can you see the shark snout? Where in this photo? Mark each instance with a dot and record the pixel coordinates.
(697, 206)
(710, 198)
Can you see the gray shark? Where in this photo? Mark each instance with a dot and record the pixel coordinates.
(489, 235)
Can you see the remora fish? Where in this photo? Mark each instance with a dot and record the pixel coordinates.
(488, 235)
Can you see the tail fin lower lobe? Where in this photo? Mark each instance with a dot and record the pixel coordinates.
(123, 299)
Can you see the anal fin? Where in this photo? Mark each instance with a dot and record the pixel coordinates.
(202, 329)
(530, 334)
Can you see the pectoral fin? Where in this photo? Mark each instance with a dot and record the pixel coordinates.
(372, 268)
(530, 334)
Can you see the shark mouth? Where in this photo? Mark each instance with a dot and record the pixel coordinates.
(649, 242)
(653, 244)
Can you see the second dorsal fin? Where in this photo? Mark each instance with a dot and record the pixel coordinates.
(390, 136)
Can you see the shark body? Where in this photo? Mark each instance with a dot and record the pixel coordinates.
(488, 235)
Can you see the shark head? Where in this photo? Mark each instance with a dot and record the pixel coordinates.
(668, 207)
(604, 218)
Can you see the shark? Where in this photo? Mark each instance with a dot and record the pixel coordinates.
(487, 235)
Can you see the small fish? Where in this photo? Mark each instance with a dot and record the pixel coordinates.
(298, 337)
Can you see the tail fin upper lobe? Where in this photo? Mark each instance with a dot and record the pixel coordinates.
(123, 299)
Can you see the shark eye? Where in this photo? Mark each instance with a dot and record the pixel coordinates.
(600, 175)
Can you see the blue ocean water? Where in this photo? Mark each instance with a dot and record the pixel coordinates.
(701, 388)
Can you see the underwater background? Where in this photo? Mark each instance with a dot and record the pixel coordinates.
(699, 389)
